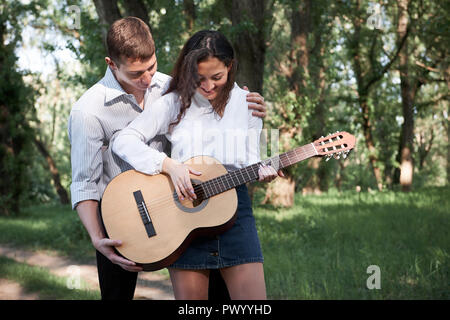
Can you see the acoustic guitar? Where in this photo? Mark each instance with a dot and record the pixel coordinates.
(155, 226)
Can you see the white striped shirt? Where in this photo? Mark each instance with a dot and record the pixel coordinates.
(95, 119)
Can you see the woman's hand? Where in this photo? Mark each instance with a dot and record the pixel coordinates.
(179, 173)
(268, 173)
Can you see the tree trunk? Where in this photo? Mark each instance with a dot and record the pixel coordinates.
(189, 11)
(363, 87)
(299, 53)
(248, 17)
(249, 42)
(62, 193)
(368, 137)
(446, 104)
(108, 12)
(137, 8)
(296, 70)
(407, 94)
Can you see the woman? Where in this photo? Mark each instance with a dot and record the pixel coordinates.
(202, 109)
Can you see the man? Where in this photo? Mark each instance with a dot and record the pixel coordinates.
(131, 80)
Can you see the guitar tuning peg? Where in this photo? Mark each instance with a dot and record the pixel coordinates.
(337, 156)
(328, 157)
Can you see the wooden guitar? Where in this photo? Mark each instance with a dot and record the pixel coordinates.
(155, 226)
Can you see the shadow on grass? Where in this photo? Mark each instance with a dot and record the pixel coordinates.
(39, 280)
(48, 227)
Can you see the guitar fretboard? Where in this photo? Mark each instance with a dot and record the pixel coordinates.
(249, 174)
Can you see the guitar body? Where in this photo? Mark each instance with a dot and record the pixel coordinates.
(173, 223)
(155, 227)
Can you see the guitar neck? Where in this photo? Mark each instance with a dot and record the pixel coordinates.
(249, 174)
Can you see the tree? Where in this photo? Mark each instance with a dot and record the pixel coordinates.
(414, 74)
(299, 74)
(249, 24)
(366, 52)
(16, 110)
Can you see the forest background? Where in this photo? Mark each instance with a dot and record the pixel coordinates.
(377, 69)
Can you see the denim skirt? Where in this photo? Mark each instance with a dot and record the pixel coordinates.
(237, 245)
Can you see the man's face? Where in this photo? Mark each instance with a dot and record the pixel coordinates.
(134, 75)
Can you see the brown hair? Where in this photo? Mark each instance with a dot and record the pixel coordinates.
(129, 37)
(185, 80)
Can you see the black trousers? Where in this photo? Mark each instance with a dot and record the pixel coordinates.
(119, 284)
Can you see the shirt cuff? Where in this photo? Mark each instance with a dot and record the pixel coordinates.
(81, 192)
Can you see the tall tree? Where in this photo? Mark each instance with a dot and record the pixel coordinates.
(407, 93)
(301, 68)
(108, 12)
(248, 18)
(16, 110)
(365, 53)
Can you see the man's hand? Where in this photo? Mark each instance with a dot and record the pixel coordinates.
(256, 102)
(106, 247)
(88, 213)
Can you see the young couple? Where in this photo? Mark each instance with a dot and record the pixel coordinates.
(126, 121)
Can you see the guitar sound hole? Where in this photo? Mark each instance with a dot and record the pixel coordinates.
(199, 199)
(196, 205)
(197, 202)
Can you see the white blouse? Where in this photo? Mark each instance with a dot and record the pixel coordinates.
(232, 139)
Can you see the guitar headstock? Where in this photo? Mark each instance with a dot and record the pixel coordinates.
(335, 145)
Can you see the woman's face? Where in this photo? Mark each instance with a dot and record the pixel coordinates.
(213, 76)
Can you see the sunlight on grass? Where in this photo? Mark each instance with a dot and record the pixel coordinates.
(39, 280)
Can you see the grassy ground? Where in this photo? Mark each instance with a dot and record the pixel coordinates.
(319, 249)
(39, 280)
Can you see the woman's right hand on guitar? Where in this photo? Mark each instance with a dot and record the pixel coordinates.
(179, 173)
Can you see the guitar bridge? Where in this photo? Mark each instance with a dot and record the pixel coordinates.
(143, 211)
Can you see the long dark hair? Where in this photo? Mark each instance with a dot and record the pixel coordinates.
(185, 79)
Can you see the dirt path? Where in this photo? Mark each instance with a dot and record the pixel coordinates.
(150, 285)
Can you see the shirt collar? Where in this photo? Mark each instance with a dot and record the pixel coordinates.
(113, 87)
(115, 90)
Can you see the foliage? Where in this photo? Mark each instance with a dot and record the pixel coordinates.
(16, 109)
(306, 98)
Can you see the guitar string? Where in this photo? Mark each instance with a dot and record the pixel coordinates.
(218, 181)
(298, 154)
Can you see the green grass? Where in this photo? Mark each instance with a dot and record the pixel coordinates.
(39, 280)
(319, 249)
